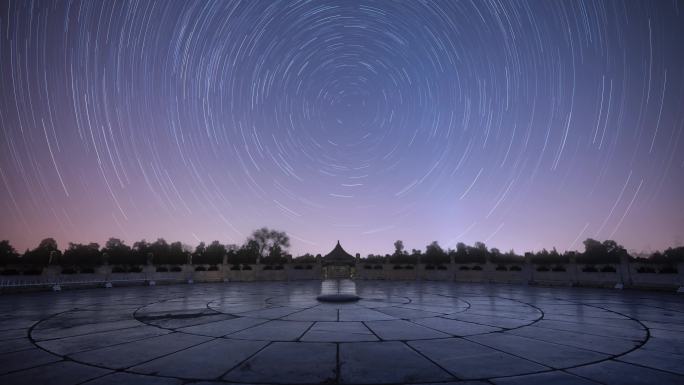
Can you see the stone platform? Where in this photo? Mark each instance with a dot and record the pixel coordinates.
(398, 332)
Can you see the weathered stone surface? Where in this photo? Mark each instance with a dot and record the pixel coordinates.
(317, 313)
(656, 359)
(555, 378)
(205, 361)
(222, 328)
(468, 360)
(619, 373)
(400, 332)
(133, 379)
(134, 353)
(289, 363)
(385, 362)
(98, 340)
(15, 345)
(274, 331)
(554, 355)
(23, 359)
(339, 332)
(455, 327)
(59, 373)
(580, 340)
(361, 314)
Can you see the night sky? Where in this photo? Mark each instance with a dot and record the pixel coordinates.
(520, 124)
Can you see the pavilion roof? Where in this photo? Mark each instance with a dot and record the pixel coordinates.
(338, 254)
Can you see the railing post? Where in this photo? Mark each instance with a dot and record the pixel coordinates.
(417, 269)
(624, 273)
(573, 269)
(224, 268)
(452, 267)
(487, 270)
(188, 272)
(528, 270)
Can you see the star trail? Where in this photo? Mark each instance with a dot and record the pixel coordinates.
(523, 124)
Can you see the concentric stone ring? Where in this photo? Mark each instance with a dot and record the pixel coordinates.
(279, 333)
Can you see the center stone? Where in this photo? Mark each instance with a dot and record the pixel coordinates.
(338, 298)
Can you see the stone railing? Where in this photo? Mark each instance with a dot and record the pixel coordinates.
(108, 276)
(626, 274)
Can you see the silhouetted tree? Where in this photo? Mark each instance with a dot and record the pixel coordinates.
(140, 252)
(275, 256)
(607, 252)
(8, 255)
(82, 255)
(199, 252)
(247, 254)
(434, 254)
(398, 247)
(160, 250)
(568, 255)
(266, 240)
(477, 253)
(496, 256)
(118, 253)
(212, 255)
(372, 258)
(46, 252)
(306, 258)
(178, 254)
(461, 252)
(674, 255)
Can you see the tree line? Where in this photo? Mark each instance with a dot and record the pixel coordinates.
(264, 245)
(594, 252)
(608, 251)
(270, 247)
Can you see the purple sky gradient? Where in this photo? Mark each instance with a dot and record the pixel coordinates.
(520, 124)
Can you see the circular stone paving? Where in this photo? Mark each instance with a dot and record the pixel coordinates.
(397, 332)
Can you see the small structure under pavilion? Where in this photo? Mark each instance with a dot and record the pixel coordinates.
(338, 264)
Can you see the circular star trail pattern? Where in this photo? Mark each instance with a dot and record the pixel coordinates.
(521, 124)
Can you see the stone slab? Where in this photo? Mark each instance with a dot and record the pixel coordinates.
(386, 362)
(546, 353)
(403, 330)
(339, 332)
(289, 363)
(24, 359)
(222, 328)
(555, 378)
(205, 361)
(135, 353)
(455, 327)
(468, 360)
(619, 373)
(59, 373)
(70, 345)
(274, 331)
(122, 378)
